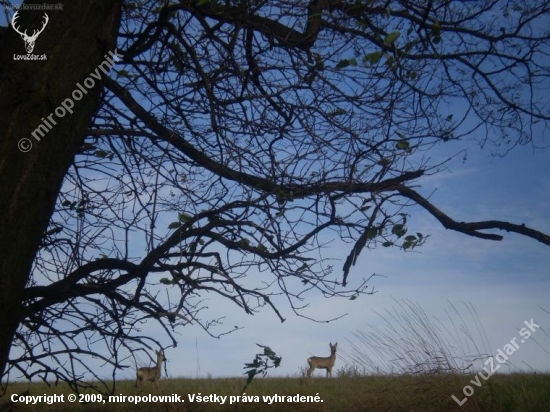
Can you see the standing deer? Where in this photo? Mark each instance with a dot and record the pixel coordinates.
(151, 374)
(323, 363)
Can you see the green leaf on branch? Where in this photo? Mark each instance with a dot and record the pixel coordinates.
(391, 38)
(373, 58)
(244, 242)
(183, 218)
(54, 231)
(123, 73)
(345, 63)
(402, 145)
(436, 28)
(336, 112)
(100, 153)
(371, 233)
(399, 230)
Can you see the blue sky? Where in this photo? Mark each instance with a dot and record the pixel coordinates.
(506, 282)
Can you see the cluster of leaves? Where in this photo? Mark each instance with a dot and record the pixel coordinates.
(262, 362)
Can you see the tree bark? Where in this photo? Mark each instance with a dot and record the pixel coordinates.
(75, 42)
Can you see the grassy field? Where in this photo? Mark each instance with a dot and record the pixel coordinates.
(516, 392)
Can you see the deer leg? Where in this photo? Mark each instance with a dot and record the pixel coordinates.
(310, 370)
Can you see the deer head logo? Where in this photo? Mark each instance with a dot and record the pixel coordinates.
(29, 40)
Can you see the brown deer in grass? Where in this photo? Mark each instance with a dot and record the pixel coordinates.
(317, 362)
(151, 374)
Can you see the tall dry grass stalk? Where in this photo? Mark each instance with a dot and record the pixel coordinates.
(411, 342)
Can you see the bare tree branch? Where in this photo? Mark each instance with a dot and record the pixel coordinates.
(473, 228)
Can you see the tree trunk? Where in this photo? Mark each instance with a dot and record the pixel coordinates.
(75, 41)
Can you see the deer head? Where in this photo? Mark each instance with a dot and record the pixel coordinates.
(29, 40)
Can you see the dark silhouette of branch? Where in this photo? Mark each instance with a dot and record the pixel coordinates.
(473, 228)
